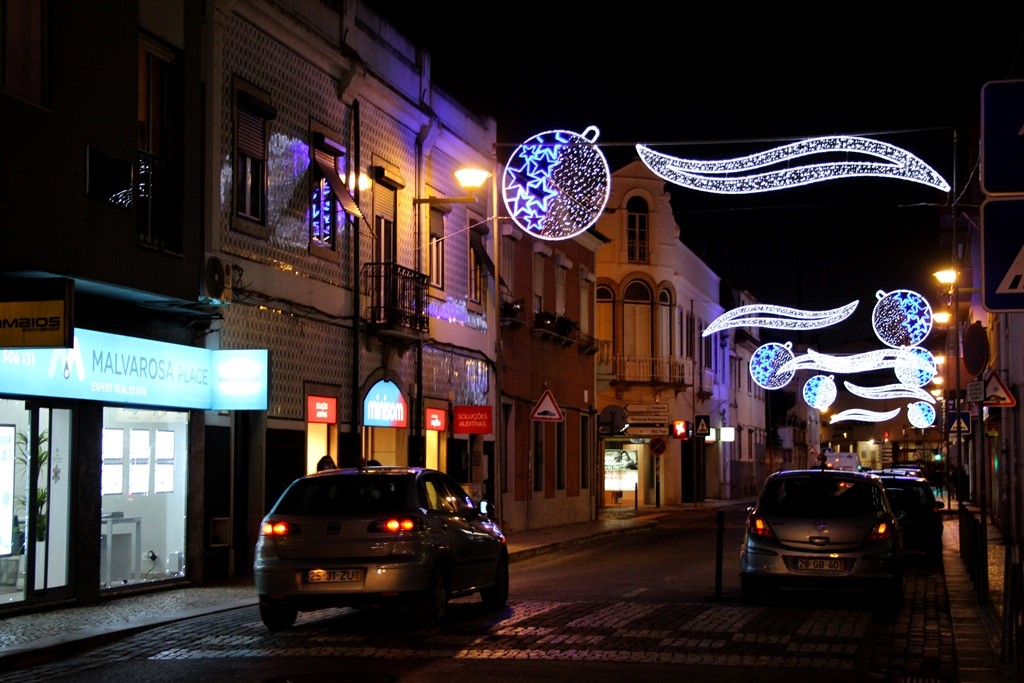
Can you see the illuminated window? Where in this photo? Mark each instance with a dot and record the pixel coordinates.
(436, 248)
(636, 230)
(604, 314)
(331, 202)
(475, 284)
(158, 197)
(252, 112)
(637, 300)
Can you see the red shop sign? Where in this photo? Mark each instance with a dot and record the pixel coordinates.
(472, 420)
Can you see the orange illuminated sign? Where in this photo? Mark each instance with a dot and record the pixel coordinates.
(322, 409)
(437, 419)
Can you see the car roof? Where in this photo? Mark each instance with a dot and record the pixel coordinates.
(822, 471)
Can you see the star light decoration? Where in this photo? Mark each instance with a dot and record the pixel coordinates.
(901, 319)
(556, 184)
(740, 175)
(820, 391)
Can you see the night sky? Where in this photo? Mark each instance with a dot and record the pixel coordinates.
(727, 81)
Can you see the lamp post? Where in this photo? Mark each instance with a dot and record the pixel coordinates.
(472, 179)
(949, 278)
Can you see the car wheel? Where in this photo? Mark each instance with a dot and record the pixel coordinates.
(496, 596)
(433, 604)
(277, 618)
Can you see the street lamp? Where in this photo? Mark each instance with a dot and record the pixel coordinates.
(949, 279)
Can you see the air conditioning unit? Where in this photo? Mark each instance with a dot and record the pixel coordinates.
(217, 281)
(707, 380)
(688, 372)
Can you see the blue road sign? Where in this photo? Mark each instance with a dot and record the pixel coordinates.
(959, 422)
(1002, 254)
(1002, 137)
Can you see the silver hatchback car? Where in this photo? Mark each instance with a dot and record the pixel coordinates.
(822, 529)
(377, 536)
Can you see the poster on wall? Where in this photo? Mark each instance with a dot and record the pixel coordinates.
(7, 441)
(620, 470)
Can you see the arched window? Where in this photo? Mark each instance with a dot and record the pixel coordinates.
(666, 349)
(637, 221)
(637, 300)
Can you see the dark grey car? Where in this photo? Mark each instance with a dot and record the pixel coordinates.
(377, 536)
(822, 529)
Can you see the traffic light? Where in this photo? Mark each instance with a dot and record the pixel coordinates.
(681, 429)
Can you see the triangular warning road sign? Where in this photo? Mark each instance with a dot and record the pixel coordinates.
(996, 392)
(702, 426)
(547, 409)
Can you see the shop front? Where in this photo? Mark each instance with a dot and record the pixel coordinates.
(95, 456)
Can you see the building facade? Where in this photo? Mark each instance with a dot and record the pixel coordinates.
(665, 396)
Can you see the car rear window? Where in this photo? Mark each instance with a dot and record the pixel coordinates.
(829, 497)
(907, 496)
(344, 495)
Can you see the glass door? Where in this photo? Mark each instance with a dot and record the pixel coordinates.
(35, 452)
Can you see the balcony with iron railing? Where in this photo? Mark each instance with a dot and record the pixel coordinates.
(395, 300)
(558, 328)
(642, 370)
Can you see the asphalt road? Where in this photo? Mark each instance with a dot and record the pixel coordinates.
(638, 607)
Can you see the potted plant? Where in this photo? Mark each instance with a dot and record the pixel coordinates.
(42, 492)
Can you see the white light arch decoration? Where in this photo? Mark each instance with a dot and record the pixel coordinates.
(881, 359)
(737, 176)
(556, 184)
(889, 391)
(862, 415)
(901, 318)
(779, 317)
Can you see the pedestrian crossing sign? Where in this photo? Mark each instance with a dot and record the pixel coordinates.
(959, 423)
(702, 425)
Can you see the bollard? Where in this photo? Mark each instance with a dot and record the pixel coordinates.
(720, 522)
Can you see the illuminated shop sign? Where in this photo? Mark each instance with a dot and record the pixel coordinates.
(385, 406)
(323, 409)
(472, 420)
(437, 419)
(118, 369)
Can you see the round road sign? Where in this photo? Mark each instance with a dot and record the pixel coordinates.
(975, 349)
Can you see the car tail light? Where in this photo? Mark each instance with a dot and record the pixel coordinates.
(395, 525)
(881, 531)
(758, 526)
(280, 529)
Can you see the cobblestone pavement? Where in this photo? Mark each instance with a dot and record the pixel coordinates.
(931, 639)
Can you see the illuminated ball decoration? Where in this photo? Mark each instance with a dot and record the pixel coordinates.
(766, 365)
(901, 318)
(820, 391)
(915, 366)
(921, 414)
(556, 184)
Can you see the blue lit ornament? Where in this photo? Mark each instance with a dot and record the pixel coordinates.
(915, 366)
(766, 365)
(921, 414)
(901, 318)
(820, 391)
(556, 184)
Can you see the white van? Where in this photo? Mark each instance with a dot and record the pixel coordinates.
(849, 462)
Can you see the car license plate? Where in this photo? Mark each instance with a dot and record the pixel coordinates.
(334, 575)
(820, 564)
